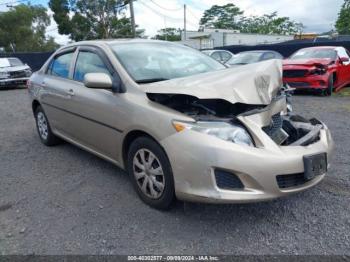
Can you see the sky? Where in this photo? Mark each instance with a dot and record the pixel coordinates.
(317, 15)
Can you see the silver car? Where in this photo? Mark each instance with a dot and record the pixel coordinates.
(183, 125)
(13, 72)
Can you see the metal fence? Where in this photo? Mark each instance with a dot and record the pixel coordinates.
(34, 60)
(286, 49)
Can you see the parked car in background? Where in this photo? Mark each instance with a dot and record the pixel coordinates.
(250, 57)
(322, 68)
(182, 124)
(13, 72)
(219, 55)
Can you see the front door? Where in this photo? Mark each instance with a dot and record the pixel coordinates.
(94, 119)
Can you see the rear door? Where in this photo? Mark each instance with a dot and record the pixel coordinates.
(55, 95)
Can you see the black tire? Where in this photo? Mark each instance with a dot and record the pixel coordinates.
(48, 139)
(329, 90)
(167, 196)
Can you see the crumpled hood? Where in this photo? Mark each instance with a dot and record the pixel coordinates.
(14, 68)
(255, 84)
(308, 62)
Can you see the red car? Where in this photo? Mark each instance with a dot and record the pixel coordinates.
(322, 68)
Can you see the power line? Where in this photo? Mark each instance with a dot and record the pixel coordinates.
(165, 8)
(157, 12)
(193, 14)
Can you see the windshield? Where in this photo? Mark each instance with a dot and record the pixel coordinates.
(152, 62)
(314, 53)
(245, 58)
(15, 62)
(4, 62)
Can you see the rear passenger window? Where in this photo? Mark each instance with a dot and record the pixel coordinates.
(60, 65)
(89, 62)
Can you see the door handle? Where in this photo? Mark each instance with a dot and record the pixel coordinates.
(70, 92)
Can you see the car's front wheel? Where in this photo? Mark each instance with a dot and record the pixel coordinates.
(151, 173)
(44, 130)
(329, 90)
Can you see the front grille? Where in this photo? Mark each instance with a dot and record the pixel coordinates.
(18, 74)
(275, 125)
(298, 84)
(226, 180)
(294, 73)
(293, 180)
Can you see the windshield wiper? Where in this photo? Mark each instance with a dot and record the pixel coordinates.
(150, 80)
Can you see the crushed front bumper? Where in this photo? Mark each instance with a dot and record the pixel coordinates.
(315, 82)
(195, 157)
(9, 82)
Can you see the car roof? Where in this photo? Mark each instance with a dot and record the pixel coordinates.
(116, 41)
(322, 47)
(258, 51)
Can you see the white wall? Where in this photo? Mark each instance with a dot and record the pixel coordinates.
(219, 39)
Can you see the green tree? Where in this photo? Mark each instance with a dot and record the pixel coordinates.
(269, 24)
(22, 29)
(231, 17)
(92, 19)
(222, 17)
(168, 34)
(343, 23)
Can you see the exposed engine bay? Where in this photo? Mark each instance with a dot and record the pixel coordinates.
(293, 130)
(203, 109)
(284, 129)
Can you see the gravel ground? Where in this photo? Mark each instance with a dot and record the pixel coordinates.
(63, 200)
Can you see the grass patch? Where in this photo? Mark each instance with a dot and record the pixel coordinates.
(345, 92)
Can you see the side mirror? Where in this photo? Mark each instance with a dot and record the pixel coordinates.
(344, 59)
(98, 81)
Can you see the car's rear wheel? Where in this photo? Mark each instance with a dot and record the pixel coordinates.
(44, 129)
(150, 172)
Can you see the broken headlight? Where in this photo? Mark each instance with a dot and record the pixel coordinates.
(222, 130)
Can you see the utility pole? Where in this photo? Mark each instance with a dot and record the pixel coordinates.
(185, 30)
(132, 16)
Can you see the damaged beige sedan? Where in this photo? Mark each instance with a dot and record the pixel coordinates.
(182, 125)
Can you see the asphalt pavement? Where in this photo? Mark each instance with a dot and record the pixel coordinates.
(63, 200)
